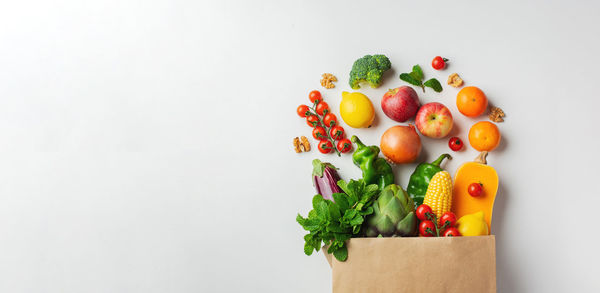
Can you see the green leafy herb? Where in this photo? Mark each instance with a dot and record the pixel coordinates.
(333, 223)
(415, 77)
(434, 84)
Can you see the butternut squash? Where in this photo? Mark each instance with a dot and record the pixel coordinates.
(475, 172)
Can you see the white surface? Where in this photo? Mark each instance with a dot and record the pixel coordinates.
(146, 146)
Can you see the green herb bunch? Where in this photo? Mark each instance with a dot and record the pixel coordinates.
(416, 78)
(333, 223)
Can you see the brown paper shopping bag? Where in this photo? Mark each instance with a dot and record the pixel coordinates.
(417, 264)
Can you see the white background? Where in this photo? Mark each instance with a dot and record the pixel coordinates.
(145, 146)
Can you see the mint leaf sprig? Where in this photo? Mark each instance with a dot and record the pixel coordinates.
(415, 77)
(333, 223)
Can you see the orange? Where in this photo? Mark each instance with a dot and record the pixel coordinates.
(471, 101)
(484, 136)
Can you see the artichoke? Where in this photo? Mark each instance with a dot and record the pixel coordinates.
(393, 214)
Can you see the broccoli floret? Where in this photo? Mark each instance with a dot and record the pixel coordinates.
(370, 69)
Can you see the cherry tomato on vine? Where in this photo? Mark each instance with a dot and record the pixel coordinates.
(449, 217)
(427, 228)
(330, 119)
(422, 211)
(455, 144)
(312, 121)
(322, 108)
(319, 133)
(302, 109)
(315, 95)
(336, 132)
(325, 146)
(475, 189)
(451, 232)
(438, 63)
(344, 145)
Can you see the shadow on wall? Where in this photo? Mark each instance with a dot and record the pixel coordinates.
(506, 279)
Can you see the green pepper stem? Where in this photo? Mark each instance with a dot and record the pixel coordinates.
(439, 160)
(357, 141)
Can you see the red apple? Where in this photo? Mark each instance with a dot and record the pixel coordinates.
(434, 120)
(400, 104)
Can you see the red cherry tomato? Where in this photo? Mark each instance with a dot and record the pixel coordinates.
(344, 145)
(455, 144)
(325, 146)
(319, 133)
(451, 232)
(337, 132)
(427, 228)
(330, 119)
(448, 219)
(422, 211)
(438, 63)
(314, 96)
(322, 108)
(475, 189)
(302, 109)
(312, 121)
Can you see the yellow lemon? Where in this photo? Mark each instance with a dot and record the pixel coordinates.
(357, 110)
(472, 225)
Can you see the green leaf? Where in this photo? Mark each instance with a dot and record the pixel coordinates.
(343, 185)
(316, 244)
(334, 212)
(341, 200)
(322, 210)
(316, 200)
(349, 215)
(308, 248)
(371, 189)
(417, 73)
(301, 220)
(336, 228)
(434, 84)
(319, 167)
(308, 237)
(341, 253)
(357, 220)
(312, 214)
(367, 211)
(342, 236)
(353, 190)
(313, 224)
(408, 78)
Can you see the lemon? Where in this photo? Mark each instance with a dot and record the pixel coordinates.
(472, 225)
(357, 110)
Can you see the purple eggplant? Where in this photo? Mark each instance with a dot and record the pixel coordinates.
(325, 178)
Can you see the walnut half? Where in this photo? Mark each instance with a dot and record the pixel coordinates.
(455, 80)
(297, 145)
(305, 143)
(496, 114)
(327, 80)
(301, 144)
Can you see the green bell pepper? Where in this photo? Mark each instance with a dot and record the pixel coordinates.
(419, 180)
(375, 170)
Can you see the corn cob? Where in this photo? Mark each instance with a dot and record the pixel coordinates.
(439, 193)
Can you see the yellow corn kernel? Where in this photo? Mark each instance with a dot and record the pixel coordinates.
(439, 193)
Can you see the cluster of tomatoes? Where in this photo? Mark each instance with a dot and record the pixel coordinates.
(429, 223)
(324, 124)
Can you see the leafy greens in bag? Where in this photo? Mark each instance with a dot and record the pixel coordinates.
(332, 223)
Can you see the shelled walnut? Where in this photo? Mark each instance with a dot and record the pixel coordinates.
(301, 144)
(455, 80)
(496, 114)
(327, 80)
